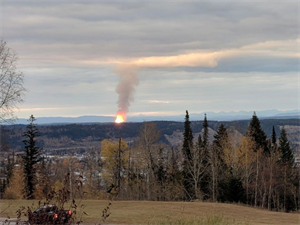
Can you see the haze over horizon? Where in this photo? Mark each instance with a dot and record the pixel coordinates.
(211, 116)
(200, 56)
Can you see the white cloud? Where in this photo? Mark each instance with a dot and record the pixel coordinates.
(159, 102)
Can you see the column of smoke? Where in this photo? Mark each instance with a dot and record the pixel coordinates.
(129, 72)
(129, 77)
(126, 87)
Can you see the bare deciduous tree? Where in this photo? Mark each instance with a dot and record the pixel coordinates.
(149, 136)
(11, 82)
(196, 168)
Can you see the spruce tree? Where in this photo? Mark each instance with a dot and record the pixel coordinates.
(256, 132)
(187, 149)
(285, 148)
(205, 132)
(221, 136)
(31, 157)
(206, 161)
(273, 136)
(187, 137)
(287, 162)
(217, 164)
(219, 144)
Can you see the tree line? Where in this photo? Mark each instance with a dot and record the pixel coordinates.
(259, 172)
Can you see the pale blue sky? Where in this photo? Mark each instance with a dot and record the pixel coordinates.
(195, 55)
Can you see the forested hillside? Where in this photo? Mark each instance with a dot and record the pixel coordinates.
(90, 134)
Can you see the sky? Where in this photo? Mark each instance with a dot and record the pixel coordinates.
(181, 55)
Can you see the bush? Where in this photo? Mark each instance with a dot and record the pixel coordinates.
(11, 193)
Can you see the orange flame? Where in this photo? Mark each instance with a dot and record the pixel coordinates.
(119, 119)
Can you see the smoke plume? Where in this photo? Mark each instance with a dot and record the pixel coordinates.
(128, 73)
(126, 87)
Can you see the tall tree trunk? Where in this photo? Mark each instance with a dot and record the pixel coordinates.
(271, 182)
(196, 188)
(247, 179)
(264, 195)
(256, 181)
(284, 192)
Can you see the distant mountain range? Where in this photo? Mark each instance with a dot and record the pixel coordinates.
(220, 116)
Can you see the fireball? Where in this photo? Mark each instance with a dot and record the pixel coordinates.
(119, 119)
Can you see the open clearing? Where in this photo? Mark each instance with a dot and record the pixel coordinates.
(148, 212)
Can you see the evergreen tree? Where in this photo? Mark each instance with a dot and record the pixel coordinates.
(206, 161)
(187, 138)
(217, 164)
(273, 136)
(205, 132)
(221, 137)
(287, 161)
(31, 157)
(232, 190)
(256, 132)
(187, 149)
(219, 144)
(285, 148)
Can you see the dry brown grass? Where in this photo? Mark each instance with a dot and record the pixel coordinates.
(145, 212)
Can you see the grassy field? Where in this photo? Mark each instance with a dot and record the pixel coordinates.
(180, 213)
